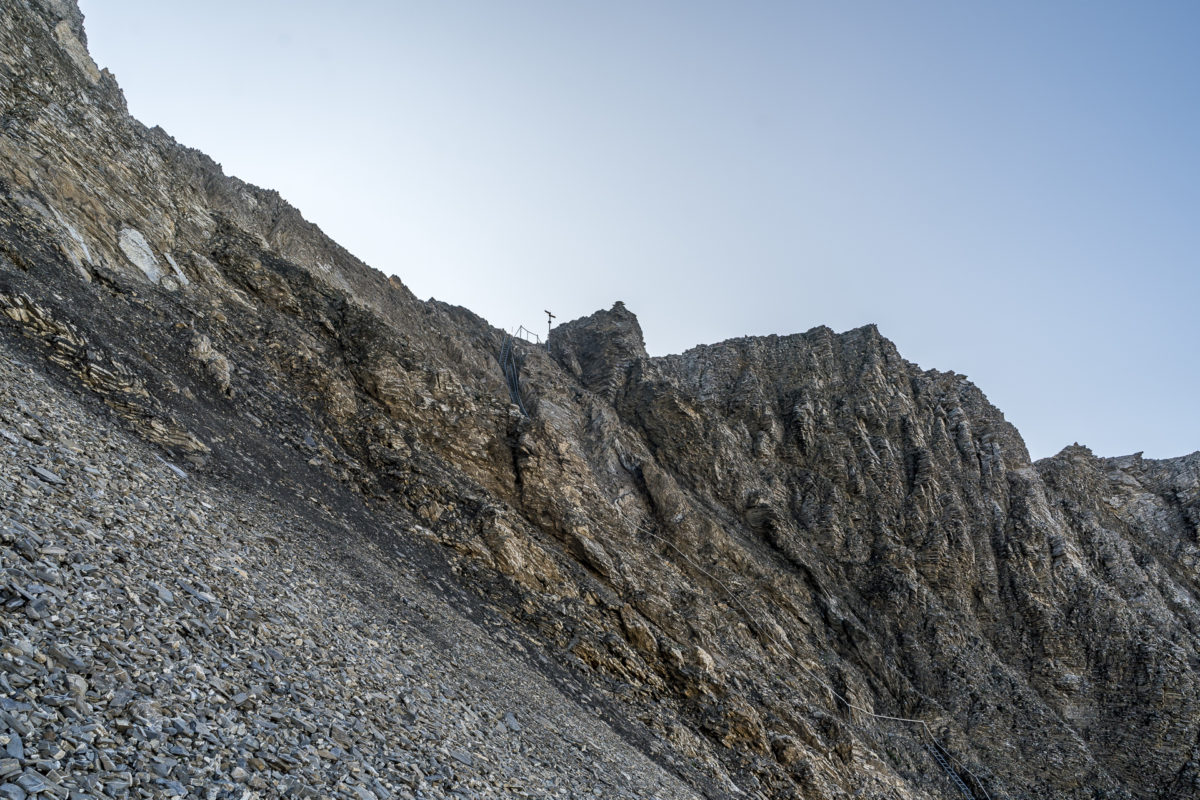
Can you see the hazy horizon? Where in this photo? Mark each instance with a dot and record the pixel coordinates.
(1009, 193)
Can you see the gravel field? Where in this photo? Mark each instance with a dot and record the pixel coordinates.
(166, 638)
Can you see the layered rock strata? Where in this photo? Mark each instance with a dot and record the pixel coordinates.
(749, 562)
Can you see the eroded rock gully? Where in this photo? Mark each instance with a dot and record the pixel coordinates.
(725, 561)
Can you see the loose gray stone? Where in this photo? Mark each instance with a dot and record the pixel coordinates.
(32, 782)
(47, 476)
(15, 747)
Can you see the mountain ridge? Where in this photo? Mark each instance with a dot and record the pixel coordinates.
(882, 527)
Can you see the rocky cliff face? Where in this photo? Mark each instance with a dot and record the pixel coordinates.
(791, 566)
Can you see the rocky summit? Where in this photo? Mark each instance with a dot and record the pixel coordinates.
(270, 526)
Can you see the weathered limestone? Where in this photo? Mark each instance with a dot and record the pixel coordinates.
(748, 559)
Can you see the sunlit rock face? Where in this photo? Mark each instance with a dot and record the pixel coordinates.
(745, 558)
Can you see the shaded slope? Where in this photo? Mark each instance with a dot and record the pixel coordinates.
(882, 526)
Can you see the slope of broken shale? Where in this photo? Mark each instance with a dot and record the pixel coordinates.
(165, 637)
(720, 573)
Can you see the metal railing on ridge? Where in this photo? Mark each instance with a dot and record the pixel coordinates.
(528, 336)
(510, 364)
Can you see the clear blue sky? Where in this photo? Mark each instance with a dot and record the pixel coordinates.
(1009, 190)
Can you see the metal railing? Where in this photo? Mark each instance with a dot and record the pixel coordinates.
(526, 335)
(962, 787)
(510, 364)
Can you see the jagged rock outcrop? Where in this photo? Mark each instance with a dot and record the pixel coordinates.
(759, 553)
(599, 350)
